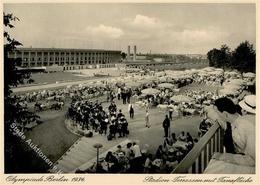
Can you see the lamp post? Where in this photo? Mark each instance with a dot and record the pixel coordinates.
(97, 146)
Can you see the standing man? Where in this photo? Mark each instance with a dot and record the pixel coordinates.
(170, 112)
(147, 119)
(131, 110)
(119, 93)
(166, 126)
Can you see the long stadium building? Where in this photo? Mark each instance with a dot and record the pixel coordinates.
(68, 58)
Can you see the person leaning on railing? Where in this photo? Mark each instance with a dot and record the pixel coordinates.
(239, 135)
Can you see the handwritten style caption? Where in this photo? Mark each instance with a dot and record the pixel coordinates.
(185, 179)
(48, 178)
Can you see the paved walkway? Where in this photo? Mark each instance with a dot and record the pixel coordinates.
(83, 154)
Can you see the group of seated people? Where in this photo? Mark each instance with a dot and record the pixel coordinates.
(132, 159)
(174, 149)
(127, 159)
(63, 93)
(57, 105)
(204, 126)
(209, 79)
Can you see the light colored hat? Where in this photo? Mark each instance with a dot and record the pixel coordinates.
(171, 150)
(120, 154)
(248, 103)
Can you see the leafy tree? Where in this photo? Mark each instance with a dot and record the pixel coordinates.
(16, 150)
(225, 56)
(214, 57)
(219, 57)
(244, 57)
(123, 55)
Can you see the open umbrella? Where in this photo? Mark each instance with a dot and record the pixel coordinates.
(166, 85)
(162, 106)
(231, 73)
(181, 98)
(227, 91)
(230, 86)
(132, 84)
(237, 82)
(159, 74)
(249, 75)
(163, 79)
(150, 91)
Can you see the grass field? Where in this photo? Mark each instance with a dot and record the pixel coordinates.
(69, 76)
(40, 78)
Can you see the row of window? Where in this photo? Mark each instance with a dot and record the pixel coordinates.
(62, 53)
(25, 64)
(62, 58)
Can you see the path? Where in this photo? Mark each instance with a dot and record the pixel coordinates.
(83, 152)
(54, 85)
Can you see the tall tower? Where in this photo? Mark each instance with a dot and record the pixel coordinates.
(134, 57)
(128, 53)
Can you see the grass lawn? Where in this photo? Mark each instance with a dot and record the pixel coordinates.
(54, 77)
(74, 75)
(52, 136)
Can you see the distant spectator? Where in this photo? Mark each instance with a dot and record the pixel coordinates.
(131, 110)
(147, 119)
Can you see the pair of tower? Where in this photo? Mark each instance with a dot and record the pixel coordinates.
(128, 53)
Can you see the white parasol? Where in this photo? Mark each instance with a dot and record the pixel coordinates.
(150, 91)
(181, 98)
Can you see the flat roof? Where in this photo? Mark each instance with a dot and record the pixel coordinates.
(64, 49)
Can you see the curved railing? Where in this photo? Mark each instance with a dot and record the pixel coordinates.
(198, 158)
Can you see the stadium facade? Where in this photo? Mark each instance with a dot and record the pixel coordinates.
(68, 58)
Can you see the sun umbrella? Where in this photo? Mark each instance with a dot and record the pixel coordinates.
(166, 85)
(181, 98)
(162, 106)
(208, 69)
(159, 74)
(176, 90)
(230, 86)
(232, 73)
(237, 81)
(162, 79)
(249, 75)
(150, 91)
(132, 84)
(227, 92)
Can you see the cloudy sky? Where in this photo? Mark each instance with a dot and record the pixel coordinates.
(161, 28)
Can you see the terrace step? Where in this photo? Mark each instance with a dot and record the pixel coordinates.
(76, 156)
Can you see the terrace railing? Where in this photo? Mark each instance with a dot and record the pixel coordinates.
(198, 158)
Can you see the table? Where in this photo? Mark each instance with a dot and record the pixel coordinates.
(180, 144)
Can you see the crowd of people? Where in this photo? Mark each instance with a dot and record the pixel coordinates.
(90, 115)
(93, 117)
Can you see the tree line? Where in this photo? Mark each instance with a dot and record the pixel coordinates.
(242, 58)
(18, 156)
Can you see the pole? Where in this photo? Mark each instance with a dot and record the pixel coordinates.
(97, 158)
